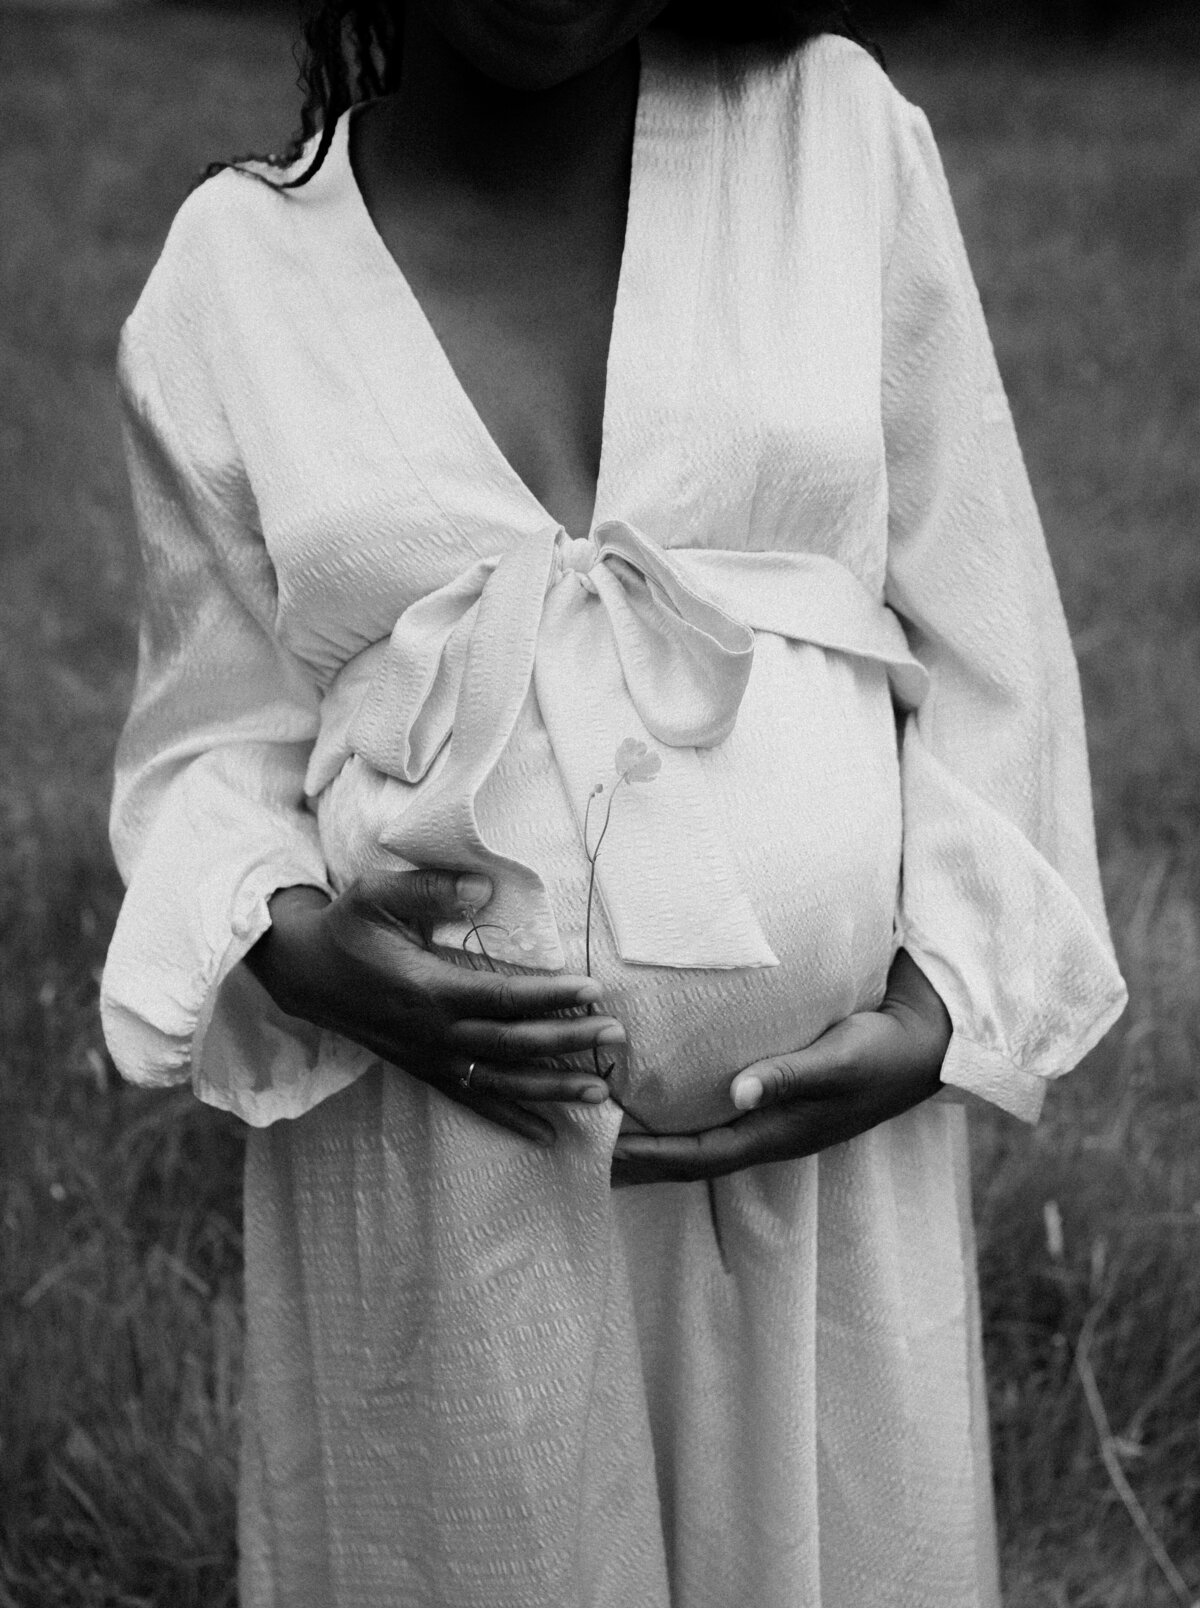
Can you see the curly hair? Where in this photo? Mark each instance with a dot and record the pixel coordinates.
(349, 51)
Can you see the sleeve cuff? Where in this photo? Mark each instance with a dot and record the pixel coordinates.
(992, 1073)
(217, 1025)
(993, 1077)
(250, 1058)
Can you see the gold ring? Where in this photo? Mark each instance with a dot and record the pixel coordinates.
(465, 1080)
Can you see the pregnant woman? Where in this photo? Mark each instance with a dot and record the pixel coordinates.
(606, 774)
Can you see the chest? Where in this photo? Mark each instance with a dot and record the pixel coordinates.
(521, 301)
(712, 377)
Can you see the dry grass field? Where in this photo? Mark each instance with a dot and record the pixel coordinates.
(119, 1282)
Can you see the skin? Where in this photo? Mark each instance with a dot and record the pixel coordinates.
(360, 965)
(498, 177)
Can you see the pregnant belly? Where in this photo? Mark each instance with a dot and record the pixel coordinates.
(806, 791)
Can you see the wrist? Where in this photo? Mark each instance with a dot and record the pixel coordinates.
(914, 1001)
(277, 960)
(300, 900)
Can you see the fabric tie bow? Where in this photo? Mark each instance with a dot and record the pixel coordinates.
(619, 638)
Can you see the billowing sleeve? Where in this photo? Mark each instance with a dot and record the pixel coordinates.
(1000, 901)
(208, 816)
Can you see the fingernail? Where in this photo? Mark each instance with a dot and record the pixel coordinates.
(613, 1034)
(594, 1094)
(473, 890)
(589, 993)
(747, 1092)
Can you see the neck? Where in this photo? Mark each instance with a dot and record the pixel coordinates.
(450, 125)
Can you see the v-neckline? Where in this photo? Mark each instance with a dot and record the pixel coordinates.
(489, 448)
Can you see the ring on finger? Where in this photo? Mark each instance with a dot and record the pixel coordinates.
(465, 1080)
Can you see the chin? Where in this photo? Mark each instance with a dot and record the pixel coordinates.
(534, 45)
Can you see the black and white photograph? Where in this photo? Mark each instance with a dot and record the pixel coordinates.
(600, 804)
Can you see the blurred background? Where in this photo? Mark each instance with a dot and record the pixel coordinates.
(1071, 133)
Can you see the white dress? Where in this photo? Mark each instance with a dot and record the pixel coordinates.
(817, 590)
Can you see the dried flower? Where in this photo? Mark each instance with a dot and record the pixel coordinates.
(635, 762)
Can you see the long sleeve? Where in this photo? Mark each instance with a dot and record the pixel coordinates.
(1000, 902)
(208, 816)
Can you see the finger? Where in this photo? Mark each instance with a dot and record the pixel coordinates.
(526, 1124)
(504, 996)
(536, 1085)
(685, 1157)
(624, 1176)
(534, 1040)
(420, 899)
(756, 1140)
(836, 1064)
(504, 1112)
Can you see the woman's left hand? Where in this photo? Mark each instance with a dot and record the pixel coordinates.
(864, 1070)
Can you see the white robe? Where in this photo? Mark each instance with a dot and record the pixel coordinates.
(476, 1377)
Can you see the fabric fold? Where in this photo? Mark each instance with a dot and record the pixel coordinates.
(619, 639)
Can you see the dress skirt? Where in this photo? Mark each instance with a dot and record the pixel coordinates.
(479, 1377)
(487, 1382)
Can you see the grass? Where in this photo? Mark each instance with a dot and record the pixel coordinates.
(120, 1279)
(1074, 183)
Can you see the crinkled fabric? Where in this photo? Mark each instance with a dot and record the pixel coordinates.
(816, 589)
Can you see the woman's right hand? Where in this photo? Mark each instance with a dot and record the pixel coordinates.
(360, 966)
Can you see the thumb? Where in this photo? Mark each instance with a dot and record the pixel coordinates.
(827, 1066)
(423, 897)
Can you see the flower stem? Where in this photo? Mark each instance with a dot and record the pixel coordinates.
(587, 929)
(601, 1072)
(592, 858)
(474, 932)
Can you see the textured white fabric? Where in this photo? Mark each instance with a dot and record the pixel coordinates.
(474, 1375)
(552, 611)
